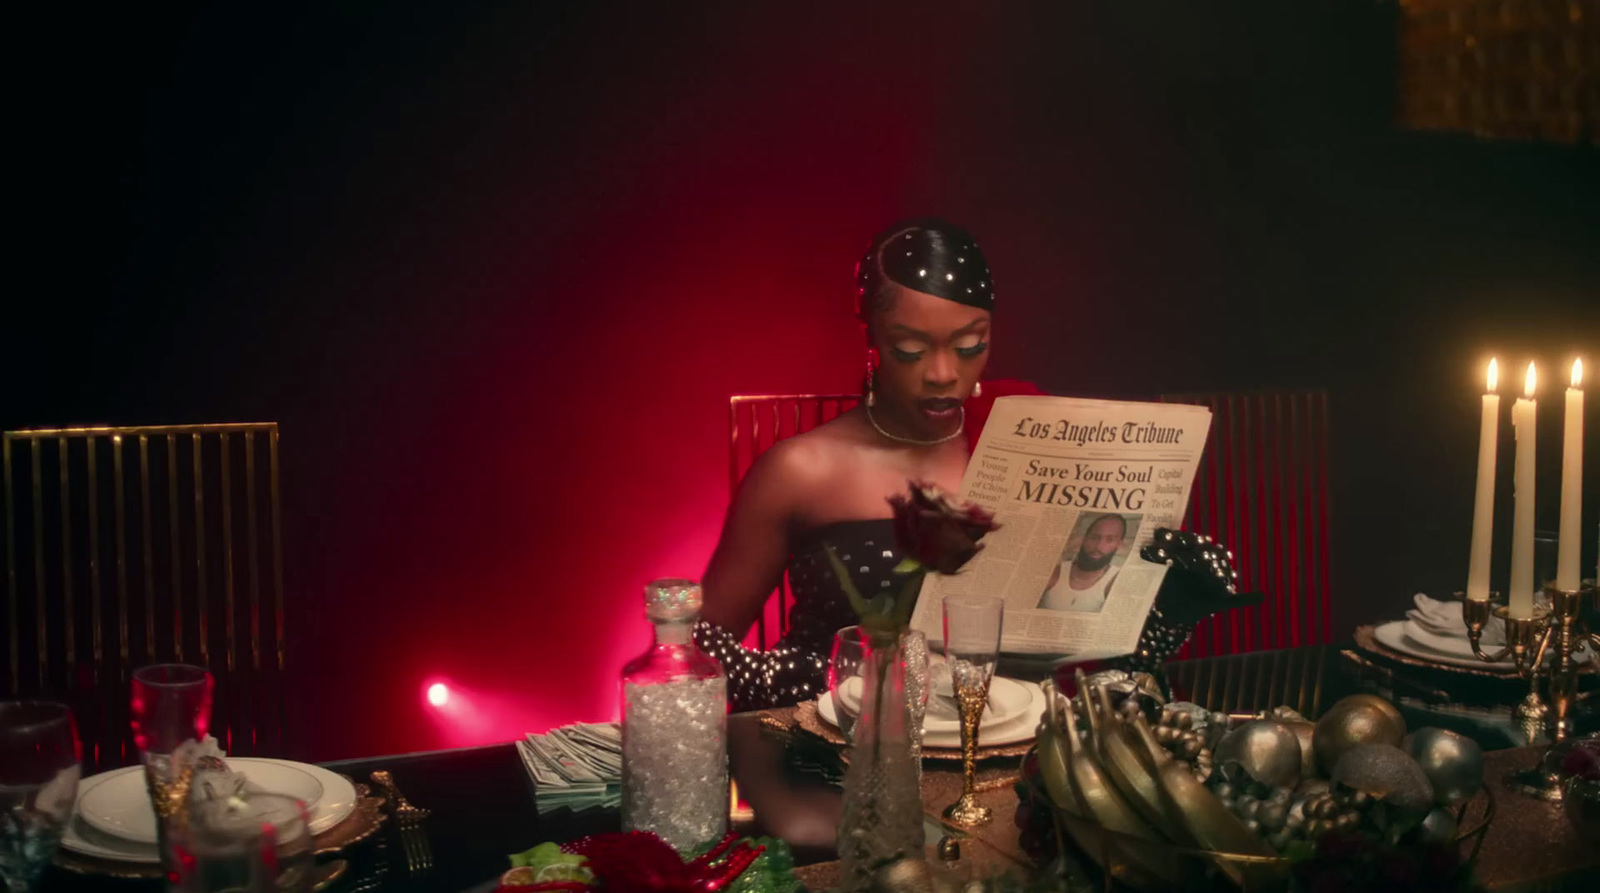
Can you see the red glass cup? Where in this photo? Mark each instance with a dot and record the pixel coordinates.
(171, 704)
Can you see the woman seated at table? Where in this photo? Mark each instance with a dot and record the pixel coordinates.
(923, 297)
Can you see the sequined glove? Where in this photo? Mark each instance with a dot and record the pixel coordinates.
(781, 677)
(1201, 581)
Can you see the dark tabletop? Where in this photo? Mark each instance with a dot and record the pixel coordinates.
(483, 808)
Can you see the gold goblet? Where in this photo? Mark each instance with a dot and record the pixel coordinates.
(972, 647)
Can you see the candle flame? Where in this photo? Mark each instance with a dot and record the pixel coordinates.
(1530, 383)
(1577, 372)
(1494, 374)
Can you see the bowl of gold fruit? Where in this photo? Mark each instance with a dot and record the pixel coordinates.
(1170, 796)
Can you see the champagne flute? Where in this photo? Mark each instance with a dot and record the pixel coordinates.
(914, 645)
(39, 772)
(844, 663)
(972, 626)
(170, 708)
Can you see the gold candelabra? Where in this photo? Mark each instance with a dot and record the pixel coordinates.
(1555, 631)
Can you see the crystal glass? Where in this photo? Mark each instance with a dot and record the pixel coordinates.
(914, 651)
(882, 817)
(38, 786)
(257, 843)
(844, 664)
(972, 626)
(170, 707)
(674, 727)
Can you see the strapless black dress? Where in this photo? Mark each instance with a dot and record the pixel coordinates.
(796, 668)
(821, 607)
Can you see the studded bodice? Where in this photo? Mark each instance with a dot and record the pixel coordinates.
(795, 669)
(820, 606)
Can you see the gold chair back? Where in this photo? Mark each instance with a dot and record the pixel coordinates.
(1262, 489)
(127, 546)
(755, 423)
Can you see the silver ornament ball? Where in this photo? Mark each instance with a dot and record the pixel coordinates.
(1453, 763)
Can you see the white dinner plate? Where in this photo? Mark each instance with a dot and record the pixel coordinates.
(79, 837)
(1008, 699)
(121, 806)
(1021, 727)
(1460, 646)
(335, 798)
(1394, 634)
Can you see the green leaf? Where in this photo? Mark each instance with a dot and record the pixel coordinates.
(908, 565)
(857, 603)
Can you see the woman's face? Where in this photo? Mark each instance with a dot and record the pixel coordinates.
(931, 352)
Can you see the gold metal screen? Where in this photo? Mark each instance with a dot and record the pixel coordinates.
(127, 546)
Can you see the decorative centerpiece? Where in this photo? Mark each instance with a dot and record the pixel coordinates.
(882, 819)
(1172, 796)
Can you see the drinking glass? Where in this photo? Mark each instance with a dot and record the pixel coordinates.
(38, 787)
(972, 626)
(844, 663)
(170, 707)
(257, 843)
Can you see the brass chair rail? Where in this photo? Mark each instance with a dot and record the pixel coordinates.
(755, 423)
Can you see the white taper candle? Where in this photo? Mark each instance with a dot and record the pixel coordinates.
(1524, 418)
(1483, 504)
(1569, 547)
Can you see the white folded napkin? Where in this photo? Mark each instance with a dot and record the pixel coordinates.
(213, 779)
(1444, 618)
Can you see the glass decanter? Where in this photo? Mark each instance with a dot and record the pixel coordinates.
(674, 727)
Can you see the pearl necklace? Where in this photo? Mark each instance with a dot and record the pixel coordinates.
(961, 428)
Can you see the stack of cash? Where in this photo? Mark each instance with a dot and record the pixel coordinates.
(575, 767)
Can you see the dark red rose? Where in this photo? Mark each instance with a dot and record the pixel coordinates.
(936, 531)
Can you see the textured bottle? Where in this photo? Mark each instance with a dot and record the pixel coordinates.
(674, 727)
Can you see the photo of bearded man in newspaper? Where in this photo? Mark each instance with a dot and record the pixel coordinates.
(1094, 552)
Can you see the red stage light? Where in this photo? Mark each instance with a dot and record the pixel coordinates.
(438, 694)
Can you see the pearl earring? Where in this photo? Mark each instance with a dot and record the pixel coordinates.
(872, 397)
(977, 389)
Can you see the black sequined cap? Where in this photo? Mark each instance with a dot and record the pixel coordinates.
(929, 256)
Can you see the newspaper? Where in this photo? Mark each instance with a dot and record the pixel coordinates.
(1078, 487)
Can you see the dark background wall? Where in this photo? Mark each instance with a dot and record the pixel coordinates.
(496, 270)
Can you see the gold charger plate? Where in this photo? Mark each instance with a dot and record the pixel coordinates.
(362, 822)
(806, 716)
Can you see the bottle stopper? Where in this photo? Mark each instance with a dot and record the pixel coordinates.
(672, 600)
